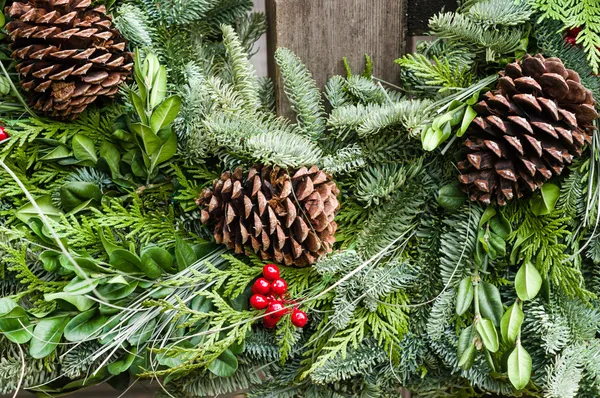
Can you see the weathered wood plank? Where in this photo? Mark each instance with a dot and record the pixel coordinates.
(322, 32)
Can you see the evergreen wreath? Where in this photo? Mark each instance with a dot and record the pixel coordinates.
(185, 233)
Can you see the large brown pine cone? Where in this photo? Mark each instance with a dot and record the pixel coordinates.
(527, 130)
(69, 54)
(278, 215)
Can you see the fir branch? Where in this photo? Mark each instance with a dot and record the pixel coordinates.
(304, 96)
(375, 184)
(345, 161)
(243, 74)
(460, 28)
(500, 12)
(439, 72)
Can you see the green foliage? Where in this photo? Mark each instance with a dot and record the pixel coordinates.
(541, 240)
(550, 40)
(303, 93)
(480, 39)
(439, 72)
(573, 14)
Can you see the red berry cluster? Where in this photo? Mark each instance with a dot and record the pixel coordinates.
(269, 294)
(571, 37)
(3, 134)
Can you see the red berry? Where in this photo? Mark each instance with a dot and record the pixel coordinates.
(270, 299)
(299, 318)
(271, 272)
(3, 134)
(275, 310)
(261, 286)
(279, 287)
(258, 302)
(573, 32)
(571, 40)
(269, 322)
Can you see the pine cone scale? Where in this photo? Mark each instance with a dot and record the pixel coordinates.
(288, 218)
(528, 129)
(66, 41)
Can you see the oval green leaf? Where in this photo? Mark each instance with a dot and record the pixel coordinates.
(451, 197)
(165, 113)
(488, 334)
(84, 326)
(83, 148)
(544, 201)
(225, 365)
(490, 303)
(519, 367)
(511, 323)
(466, 348)
(124, 363)
(81, 286)
(125, 261)
(464, 298)
(528, 282)
(80, 302)
(46, 336)
(155, 260)
(14, 322)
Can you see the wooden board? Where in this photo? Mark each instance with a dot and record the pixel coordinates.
(322, 32)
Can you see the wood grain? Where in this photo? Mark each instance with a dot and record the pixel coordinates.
(322, 32)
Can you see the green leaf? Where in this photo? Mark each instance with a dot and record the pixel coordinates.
(84, 326)
(488, 334)
(490, 303)
(116, 291)
(166, 113)
(470, 115)
(125, 261)
(124, 363)
(511, 323)
(519, 367)
(60, 152)
(151, 141)
(451, 197)
(466, 348)
(50, 260)
(487, 216)
(500, 226)
(14, 322)
(109, 247)
(432, 138)
(84, 263)
(45, 204)
(111, 154)
(225, 365)
(138, 104)
(84, 148)
(165, 152)
(80, 302)
(528, 282)
(74, 193)
(464, 298)
(497, 243)
(46, 336)
(155, 260)
(159, 87)
(184, 253)
(544, 201)
(81, 286)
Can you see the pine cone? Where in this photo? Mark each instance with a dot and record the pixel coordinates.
(69, 55)
(527, 130)
(280, 216)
